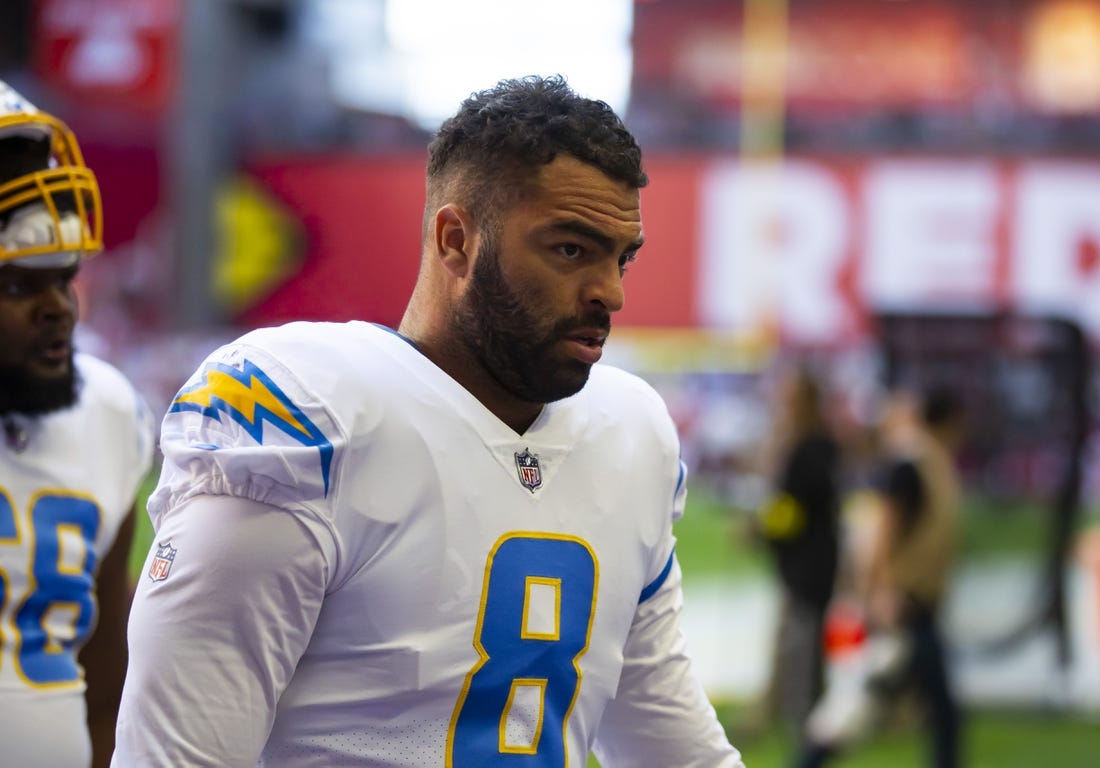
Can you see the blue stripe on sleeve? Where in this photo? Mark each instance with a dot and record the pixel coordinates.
(654, 585)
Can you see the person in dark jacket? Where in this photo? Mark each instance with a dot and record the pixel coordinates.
(799, 524)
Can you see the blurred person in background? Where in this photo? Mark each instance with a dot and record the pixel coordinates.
(449, 544)
(799, 524)
(909, 569)
(77, 441)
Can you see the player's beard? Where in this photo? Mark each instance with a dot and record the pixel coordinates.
(26, 393)
(499, 328)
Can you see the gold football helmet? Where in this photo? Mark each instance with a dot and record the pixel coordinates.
(50, 209)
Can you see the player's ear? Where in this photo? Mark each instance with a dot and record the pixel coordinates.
(455, 239)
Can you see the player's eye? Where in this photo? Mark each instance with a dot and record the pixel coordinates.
(571, 251)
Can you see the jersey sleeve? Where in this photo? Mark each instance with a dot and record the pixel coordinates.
(660, 715)
(244, 425)
(227, 602)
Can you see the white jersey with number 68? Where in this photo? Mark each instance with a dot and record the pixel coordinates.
(67, 482)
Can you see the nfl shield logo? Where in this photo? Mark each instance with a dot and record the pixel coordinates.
(529, 472)
(162, 562)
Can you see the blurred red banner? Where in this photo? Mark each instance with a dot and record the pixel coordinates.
(117, 51)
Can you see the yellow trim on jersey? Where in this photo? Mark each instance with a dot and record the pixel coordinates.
(53, 641)
(502, 739)
(62, 567)
(554, 584)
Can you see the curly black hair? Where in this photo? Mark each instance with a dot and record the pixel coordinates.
(501, 136)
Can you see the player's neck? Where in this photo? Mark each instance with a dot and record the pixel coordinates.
(451, 358)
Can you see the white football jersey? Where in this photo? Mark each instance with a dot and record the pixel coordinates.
(482, 598)
(67, 482)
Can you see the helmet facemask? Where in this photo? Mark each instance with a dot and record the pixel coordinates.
(50, 208)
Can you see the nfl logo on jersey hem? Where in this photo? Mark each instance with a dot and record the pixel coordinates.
(530, 474)
(162, 561)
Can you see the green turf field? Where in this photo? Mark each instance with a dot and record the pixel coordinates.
(993, 739)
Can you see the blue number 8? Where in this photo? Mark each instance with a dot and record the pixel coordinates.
(537, 606)
(58, 607)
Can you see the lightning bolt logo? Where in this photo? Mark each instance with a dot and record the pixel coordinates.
(250, 398)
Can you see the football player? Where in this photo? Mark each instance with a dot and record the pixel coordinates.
(77, 440)
(448, 544)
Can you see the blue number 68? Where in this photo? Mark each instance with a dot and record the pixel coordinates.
(57, 608)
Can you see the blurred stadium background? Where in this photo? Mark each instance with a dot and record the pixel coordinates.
(898, 190)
